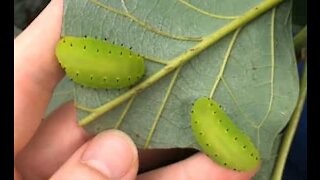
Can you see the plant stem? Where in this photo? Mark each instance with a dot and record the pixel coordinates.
(183, 58)
(300, 40)
(291, 129)
(300, 44)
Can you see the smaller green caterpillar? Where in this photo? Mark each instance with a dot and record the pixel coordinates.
(220, 138)
(99, 64)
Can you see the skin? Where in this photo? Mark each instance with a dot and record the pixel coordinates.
(58, 148)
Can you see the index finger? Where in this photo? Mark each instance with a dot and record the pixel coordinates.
(36, 71)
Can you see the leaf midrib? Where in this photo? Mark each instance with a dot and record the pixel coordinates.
(188, 55)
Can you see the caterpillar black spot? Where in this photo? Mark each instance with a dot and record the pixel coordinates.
(99, 64)
(217, 134)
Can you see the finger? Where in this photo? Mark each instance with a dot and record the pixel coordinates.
(36, 71)
(198, 166)
(109, 155)
(54, 142)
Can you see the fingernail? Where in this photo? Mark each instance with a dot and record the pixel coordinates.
(112, 153)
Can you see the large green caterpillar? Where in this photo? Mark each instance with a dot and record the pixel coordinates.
(220, 138)
(99, 64)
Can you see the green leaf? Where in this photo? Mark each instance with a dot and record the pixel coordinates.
(268, 164)
(291, 128)
(251, 72)
(62, 93)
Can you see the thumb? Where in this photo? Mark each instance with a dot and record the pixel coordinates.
(109, 155)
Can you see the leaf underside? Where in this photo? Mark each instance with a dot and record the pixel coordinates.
(251, 72)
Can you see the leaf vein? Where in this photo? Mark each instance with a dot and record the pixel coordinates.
(145, 24)
(272, 75)
(124, 113)
(225, 60)
(124, 6)
(234, 98)
(182, 59)
(216, 16)
(157, 118)
(155, 60)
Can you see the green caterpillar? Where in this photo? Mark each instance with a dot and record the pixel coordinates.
(220, 138)
(99, 64)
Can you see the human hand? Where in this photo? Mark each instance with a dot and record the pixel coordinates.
(58, 148)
